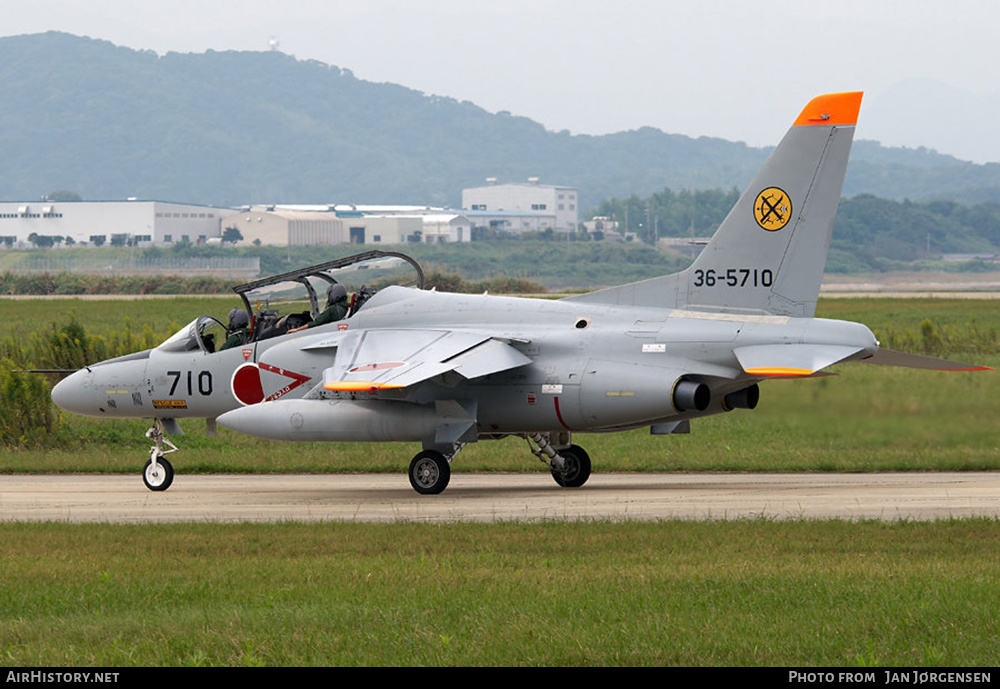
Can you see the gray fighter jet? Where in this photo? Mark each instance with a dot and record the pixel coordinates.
(410, 365)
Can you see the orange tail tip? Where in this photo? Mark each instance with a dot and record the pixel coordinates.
(832, 108)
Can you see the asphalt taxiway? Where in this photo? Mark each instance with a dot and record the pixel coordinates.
(501, 497)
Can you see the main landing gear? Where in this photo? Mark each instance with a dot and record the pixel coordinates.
(430, 470)
(158, 473)
(570, 465)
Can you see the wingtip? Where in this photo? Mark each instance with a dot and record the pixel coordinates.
(832, 109)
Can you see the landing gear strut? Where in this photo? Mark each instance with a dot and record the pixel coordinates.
(570, 466)
(158, 473)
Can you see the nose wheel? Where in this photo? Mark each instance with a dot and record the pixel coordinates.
(158, 473)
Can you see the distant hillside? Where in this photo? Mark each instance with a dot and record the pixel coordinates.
(230, 128)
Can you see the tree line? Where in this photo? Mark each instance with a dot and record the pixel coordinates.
(870, 233)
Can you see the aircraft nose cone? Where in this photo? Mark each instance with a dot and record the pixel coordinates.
(70, 395)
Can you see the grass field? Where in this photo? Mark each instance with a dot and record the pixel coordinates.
(554, 594)
(740, 593)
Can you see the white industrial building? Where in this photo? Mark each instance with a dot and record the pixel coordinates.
(547, 203)
(513, 208)
(109, 222)
(511, 222)
(147, 223)
(329, 225)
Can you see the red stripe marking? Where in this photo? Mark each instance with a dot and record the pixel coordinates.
(559, 414)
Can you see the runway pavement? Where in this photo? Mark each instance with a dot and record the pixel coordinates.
(501, 497)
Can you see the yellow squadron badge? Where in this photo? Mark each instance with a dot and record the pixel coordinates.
(773, 209)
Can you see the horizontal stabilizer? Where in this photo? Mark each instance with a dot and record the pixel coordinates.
(387, 359)
(791, 360)
(888, 357)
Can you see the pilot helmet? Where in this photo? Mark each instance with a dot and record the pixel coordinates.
(336, 292)
(238, 318)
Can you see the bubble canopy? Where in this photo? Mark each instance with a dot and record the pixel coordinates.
(279, 302)
(367, 272)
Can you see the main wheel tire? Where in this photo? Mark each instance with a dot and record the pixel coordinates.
(159, 478)
(429, 472)
(577, 469)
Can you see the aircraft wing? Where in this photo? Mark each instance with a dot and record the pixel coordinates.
(790, 360)
(889, 357)
(399, 358)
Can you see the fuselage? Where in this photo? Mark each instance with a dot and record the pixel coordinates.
(594, 367)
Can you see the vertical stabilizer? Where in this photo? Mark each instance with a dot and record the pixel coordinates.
(769, 253)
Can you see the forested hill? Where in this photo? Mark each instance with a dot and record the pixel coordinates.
(230, 128)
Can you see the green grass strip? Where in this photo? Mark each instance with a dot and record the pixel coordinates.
(752, 593)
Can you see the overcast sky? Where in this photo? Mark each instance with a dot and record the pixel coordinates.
(739, 70)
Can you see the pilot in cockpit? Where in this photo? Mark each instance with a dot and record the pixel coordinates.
(238, 330)
(336, 308)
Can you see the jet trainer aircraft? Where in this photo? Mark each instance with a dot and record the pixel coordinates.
(411, 365)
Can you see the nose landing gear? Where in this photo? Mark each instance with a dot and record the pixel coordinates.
(158, 473)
